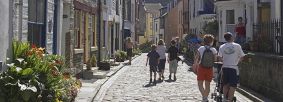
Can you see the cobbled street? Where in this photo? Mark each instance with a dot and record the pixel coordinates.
(131, 84)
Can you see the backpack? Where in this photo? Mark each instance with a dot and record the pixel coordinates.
(207, 59)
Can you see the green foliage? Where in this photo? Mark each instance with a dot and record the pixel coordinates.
(211, 27)
(93, 61)
(145, 47)
(19, 49)
(136, 51)
(34, 76)
(120, 56)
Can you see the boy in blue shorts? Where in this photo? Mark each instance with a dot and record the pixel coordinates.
(153, 59)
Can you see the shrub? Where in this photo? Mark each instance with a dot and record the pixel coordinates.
(120, 56)
(145, 47)
(93, 61)
(34, 76)
(136, 51)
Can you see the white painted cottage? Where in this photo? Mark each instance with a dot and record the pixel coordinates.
(252, 11)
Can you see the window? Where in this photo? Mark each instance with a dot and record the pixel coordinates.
(77, 28)
(230, 17)
(129, 9)
(36, 26)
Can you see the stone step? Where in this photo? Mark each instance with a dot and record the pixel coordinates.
(100, 75)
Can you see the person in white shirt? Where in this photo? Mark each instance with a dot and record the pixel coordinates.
(161, 50)
(231, 54)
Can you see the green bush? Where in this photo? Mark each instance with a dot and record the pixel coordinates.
(136, 51)
(93, 61)
(145, 47)
(120, 56)
(34, 76)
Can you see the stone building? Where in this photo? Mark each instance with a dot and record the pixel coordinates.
(35, 21)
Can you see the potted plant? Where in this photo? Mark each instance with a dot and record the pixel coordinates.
(93, 61)
(123, 55)
(118, 57)
(104, 65)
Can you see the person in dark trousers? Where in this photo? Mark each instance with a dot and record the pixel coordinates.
(161, 50)
(153, 59)
(173, 62)
(129, 48)
(231, 54)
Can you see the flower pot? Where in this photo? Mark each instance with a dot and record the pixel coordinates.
(104, 66)
(119, 60)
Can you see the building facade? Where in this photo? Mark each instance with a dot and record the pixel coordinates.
(200, 12)
(180, 6)
(34, 21)
(140, 22)
(80, 31)
(186, 24)
(129, 20)
(171, 23)
(152, 21)
(252, 11)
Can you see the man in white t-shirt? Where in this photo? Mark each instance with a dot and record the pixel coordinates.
(231, 54)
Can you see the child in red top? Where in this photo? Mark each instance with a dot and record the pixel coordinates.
(240, 31)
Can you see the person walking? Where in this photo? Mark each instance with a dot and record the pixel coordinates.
(205, 57)
(161, 50)
(231, 54)
(173, 62)
(129, 49)
(153, 59)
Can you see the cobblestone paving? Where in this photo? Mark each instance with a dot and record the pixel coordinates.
(132, 86)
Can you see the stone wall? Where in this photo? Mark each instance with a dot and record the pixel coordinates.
(263, 74)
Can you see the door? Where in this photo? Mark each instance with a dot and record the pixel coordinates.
(265, 13)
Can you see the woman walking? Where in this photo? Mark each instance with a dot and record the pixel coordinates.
(129, 47)
(206, 56)
(161, 50)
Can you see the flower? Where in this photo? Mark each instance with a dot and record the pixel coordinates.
(18, 69)
(33, 46)
(11, 65)
(20, 60)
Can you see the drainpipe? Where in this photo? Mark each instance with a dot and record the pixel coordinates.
(99, 32)
(123, 23)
